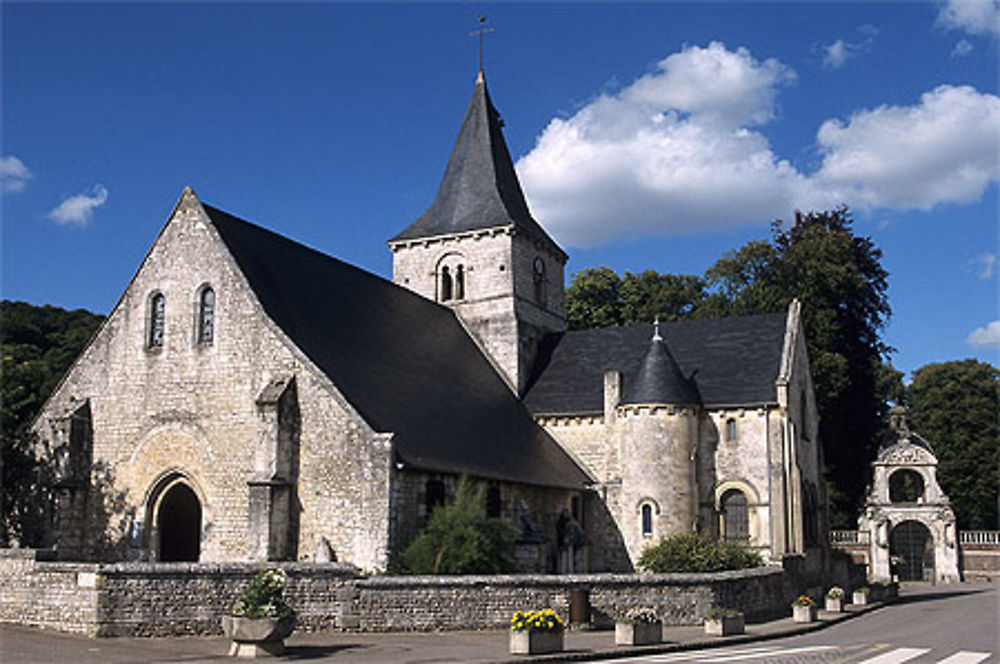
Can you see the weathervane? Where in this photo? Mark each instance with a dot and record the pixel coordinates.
(481, 32)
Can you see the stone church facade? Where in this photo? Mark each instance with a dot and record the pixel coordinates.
(249, 398)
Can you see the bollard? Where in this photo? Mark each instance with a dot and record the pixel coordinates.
(579, 607)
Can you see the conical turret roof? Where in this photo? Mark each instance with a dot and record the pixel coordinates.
(480, 188)
(659, 379)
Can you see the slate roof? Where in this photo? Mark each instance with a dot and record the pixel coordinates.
(480, 188)
(730, 361)
(660, 380)
(405, 363)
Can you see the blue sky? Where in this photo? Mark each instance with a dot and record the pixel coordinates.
(647, 135)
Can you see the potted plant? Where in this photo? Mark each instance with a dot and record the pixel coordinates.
(260, 620)
(860, 596)
(724, 622)
(536, 632)
(640, 626)
(835, 599)
(804, 609)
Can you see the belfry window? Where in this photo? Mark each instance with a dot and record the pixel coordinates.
(452, 277)
(447, 284)
(460, 282)
(206, 316)
(157, 320)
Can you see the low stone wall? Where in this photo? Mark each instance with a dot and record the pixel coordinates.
(161, 599)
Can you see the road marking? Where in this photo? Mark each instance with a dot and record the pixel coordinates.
(896, 656)
(781, 652)
(691, 655)
(965, 657)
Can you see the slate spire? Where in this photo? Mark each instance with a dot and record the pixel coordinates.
(480, 188)
(659, 379)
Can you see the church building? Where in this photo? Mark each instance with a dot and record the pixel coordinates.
(250, 398)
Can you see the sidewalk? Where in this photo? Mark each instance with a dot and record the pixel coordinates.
(21, 645)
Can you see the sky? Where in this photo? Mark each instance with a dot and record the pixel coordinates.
(647, 136)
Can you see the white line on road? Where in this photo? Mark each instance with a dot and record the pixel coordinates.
(896, 656)
(965, 657)
(773, 651)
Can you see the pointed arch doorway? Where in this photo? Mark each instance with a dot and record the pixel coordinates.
(177, 516)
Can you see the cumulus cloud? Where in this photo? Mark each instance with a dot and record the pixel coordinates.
(835, 55)
(681, 149)
(674, 151)
(985, 337)
(14, 175)
(962, 48)
(945, 149)
(977, 17)
(77, 210)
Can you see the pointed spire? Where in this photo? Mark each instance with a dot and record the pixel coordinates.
(480, 188)
(659, 380)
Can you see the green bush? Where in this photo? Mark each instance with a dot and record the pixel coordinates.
(461, 539)
(696, 553)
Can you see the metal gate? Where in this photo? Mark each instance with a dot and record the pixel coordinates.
(911, 548)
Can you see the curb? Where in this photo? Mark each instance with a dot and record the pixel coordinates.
(704, 644)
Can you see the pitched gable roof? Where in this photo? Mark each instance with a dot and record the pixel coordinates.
(480, 188)
(405, 363)
(730, 361)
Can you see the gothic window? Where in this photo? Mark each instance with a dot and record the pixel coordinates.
(647, 519)
(206, 316)
(460, 282)
(157, 320)
(493, 504)
(434, 496)
(731, 433)
(446, 284)
(735, 517)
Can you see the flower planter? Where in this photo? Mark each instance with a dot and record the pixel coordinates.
(859, 598)
(804, 614)
(536, 641)
(834, 604)
(638, 633)
(257, 637)
(725, 625)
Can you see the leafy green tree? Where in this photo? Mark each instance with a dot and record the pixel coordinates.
(461, 539)
(841, 283)
(650, 295)
(37, 346)
(594, 299)
(696, 553)
(954, 406)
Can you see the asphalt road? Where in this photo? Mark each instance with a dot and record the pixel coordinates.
(929, 625)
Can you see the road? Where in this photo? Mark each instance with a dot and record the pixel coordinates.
(929, 625)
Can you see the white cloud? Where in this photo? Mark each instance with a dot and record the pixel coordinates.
(77, 210)
(985, 265)
(962, 48)
(945, 149)
(14, 175)
(985, 337)
(977, 17)
(835, 55)
(678, 150)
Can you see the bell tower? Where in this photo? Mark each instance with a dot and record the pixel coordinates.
(478, 250)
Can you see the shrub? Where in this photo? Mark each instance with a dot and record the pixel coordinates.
(461, 539)
(264, 597)
(545, 620)
(696, 553)
(640, 614)
(717, 613)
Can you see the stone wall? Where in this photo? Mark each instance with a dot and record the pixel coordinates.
(160, 599)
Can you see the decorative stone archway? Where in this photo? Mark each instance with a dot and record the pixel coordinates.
(909, 519)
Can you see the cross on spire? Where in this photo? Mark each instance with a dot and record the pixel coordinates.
(656, 329)
(481, 32)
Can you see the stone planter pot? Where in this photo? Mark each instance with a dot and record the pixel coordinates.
(859, 598)
(834, 605)
(804, 614)
(536, 642)
(257, 637)
(638, 634)
(725, 625)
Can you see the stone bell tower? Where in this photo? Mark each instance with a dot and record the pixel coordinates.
(478, 250)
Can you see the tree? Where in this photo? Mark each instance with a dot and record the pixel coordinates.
(593, 299)
(954, 406)
(461, 539)
(841, 283)
(597, 297)
(37, 346)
